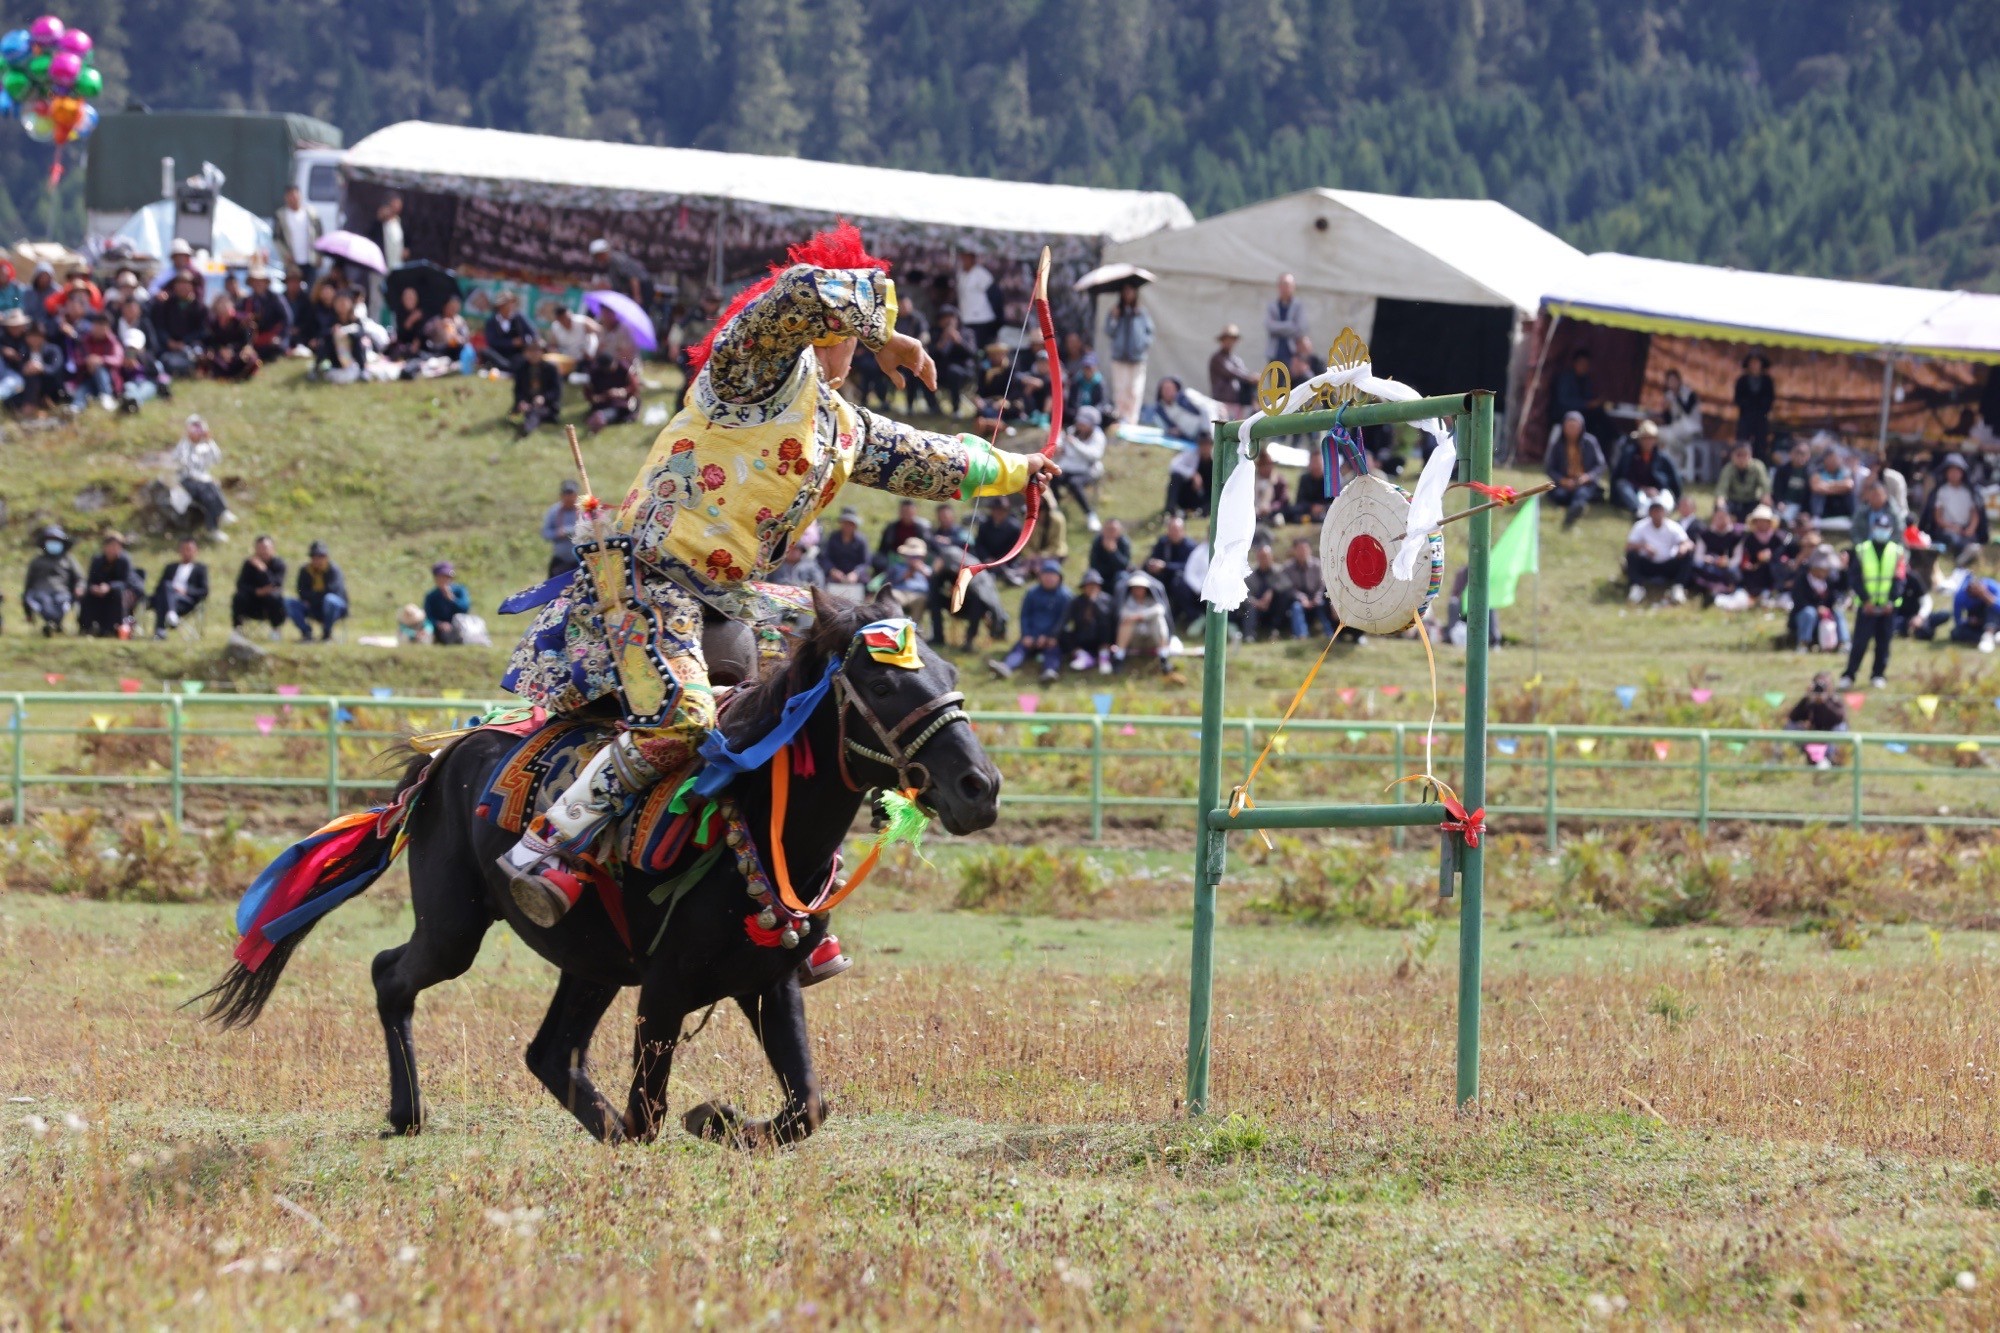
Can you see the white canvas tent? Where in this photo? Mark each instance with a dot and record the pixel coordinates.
(1351, 252)
(238, 234)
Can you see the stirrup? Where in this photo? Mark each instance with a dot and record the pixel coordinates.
(545, 890)
(824, 963)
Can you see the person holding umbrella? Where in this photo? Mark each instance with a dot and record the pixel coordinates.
(761, 448)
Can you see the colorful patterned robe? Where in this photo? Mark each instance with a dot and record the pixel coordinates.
(762, 446)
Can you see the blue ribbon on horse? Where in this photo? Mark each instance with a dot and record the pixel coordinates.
(539, 595)
(722, 765)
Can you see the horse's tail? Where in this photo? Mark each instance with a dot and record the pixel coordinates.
(307, 881)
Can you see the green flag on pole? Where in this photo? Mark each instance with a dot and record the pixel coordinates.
(1518, 552)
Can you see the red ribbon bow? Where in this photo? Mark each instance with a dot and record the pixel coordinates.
(1472, 827)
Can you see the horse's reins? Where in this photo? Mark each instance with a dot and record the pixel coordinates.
(935, 715)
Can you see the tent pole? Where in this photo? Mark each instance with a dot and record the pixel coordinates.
(1527, 408)
(1888, 397)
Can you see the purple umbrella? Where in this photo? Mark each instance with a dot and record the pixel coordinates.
(355, 249)
(628, 313)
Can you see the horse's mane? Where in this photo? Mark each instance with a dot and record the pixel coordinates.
(750, 709)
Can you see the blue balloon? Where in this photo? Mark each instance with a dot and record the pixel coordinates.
(84, 123)
(16, 45)
(6, 104)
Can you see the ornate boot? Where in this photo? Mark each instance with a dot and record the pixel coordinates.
(824, 963)
(540, 867)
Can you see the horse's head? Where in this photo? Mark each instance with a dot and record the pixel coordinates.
(901, 724)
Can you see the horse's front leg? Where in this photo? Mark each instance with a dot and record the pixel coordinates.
(662, 1011)
(779, 1017)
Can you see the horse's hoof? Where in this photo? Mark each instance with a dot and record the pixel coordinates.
(405, 1132)
(711, 1122)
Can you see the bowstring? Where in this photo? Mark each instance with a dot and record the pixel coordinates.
(1013, 364)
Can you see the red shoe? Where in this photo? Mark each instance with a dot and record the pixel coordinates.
(825, 963)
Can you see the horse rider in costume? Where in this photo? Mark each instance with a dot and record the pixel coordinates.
(763, 443)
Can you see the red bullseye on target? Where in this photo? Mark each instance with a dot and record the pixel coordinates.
(1357, 548)
(1367, 562)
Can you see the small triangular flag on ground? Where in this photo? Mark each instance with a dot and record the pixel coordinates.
(1585, 744)
(129, 685)
(1701, 696)
(1507, 744)
(1968, 747)
(382, 692)
(55, 678)
(1661, 749)
(1040, 729)
(1128, 730)
(1774, 697)
(1927, 704)
(1029, 702)
(265, 722)
(451, 694)
(1356, 734)
(1102, 703)
(100, 720)
(192, 686)
(1626, 695)
(1854, 699)
(1736, 747)
(1279, 742)
(1895, 747)
(1392, 690)
(1816, 752)
(288, 691)
(1346, 693)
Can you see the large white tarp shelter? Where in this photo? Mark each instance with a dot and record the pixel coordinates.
(1351, 252)
(1777, 310)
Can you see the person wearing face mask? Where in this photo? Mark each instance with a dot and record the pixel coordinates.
(54, 581)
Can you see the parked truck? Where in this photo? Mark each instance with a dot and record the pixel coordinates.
(138, 158)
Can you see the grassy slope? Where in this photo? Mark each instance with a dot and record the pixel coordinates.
(1724, 1127)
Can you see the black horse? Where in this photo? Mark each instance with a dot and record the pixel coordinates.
(866, 733)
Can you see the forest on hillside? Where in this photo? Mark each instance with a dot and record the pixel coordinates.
(1852, 138)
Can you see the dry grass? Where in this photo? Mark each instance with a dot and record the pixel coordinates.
(1731, 1128)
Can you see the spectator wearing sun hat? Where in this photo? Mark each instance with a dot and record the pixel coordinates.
(1229, 380)
(445, 603)
(268, 314)
(1090, 627)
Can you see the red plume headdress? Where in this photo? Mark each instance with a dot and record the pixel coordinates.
(839, 248)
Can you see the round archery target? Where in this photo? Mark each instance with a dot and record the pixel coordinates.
(1357, 549)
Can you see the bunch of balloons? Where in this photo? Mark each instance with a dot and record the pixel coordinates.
(49, 80)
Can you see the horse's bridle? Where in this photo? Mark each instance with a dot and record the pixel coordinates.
(933, 717)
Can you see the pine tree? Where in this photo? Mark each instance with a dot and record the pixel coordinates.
(558, 70)
(763, 114)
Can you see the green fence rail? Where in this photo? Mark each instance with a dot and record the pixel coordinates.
(1100, 768)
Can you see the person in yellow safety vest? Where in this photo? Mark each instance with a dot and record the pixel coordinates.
(1877, 570)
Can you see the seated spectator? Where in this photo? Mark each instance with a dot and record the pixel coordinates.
(1080, 458)
(1817, 589)
(1953, 516)
(1143, 628)
(843, 556)
(1717, 568)
(1189, 478)
(228, 354)
(13, 352)
(956, 359)
(260, 588)
(312, 318)
(183, 586)
(1111, 555)
(799, 568)
(39, 371)
(1050, 539)
(1744, 482)
(507, 331)
(559, 527)
(54, 582)
(1314, 493)
(447, 334)
(1974, 616)
(905, 525)
(995, 536)
(347, 347)
(612, 394)
(1086, 387)
(1680, 411)
(181, 320)
(1767, 555)
(193, 462)
(1044, 610)
(1270, 601)
(571, 339)
(1090, 628)
(907, 574)
(443, 604)
(1658, 552)
(1309, 609)
(269, 316)
(982, 598)
(145, 375)
(1832, 488)
(537, 390)
(111, 588)
(1644, 474)
(1820, 710)
(1166, 563)
(1791, 483)
(406, 334)
(615, 338)
(322, 595)
(947, 531)
(1575, 464)
(1182, 413)
(997, 398)
(1273, 499)
(100, 364)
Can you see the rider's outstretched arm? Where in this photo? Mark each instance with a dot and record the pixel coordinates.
(756, 352)
(925, 465)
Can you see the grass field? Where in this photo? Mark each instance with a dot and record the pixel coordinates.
(1720, 1126)
(1718, 1123)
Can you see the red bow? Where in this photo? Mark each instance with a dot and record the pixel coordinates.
(1472, 827)
(1040, 304)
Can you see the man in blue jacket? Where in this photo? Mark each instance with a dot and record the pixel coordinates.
(322, 594)
(1044, 608)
